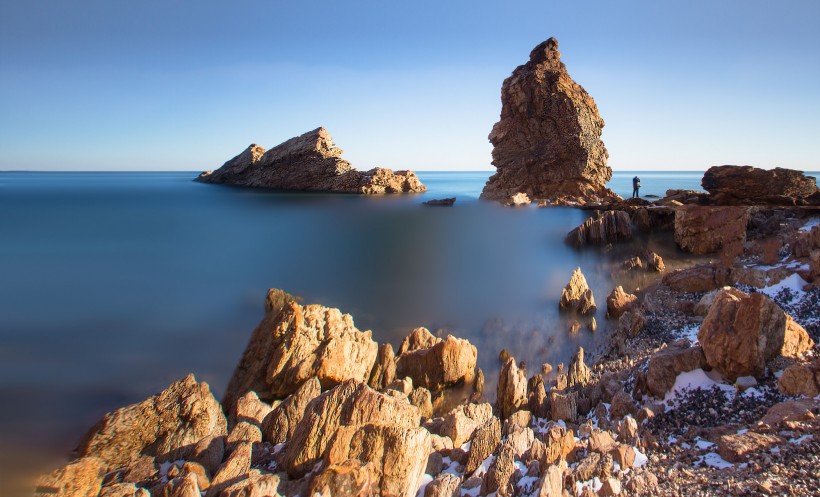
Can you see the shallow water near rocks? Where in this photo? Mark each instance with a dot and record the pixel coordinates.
(116, 284)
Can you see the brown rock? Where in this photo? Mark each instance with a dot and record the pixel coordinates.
(181, 486)
(740, 335)
(547, 143)
(350, 404)
(619, 302)
(235, 466)
(460, 423)
(705, 229)
(166, 426)
(249, 409)
(703, 305)
(552, 482)
(512, 388)
(280, 424)
(655, 263)
(384, 369)
(578, 373)
(610, 487)
(632, 264)
(203, 480)
(253, 484)
(439, 366)
(516, 200)
(243, 432)
(497, 478)
(601, 229)
(631, 323)
(746, 185)
(79, 478)
(444, 485)
(291, 346)
(624, 455)
(621, 406)
(699, 278)
(209, 452)
(791, 411)
(518, 421)
(801, 379)
(628, 430)
(308, 162)
(559, 445)
(537, 397)
(734, 448)
(123, 490)
(601, 442)
(563, 406)
(420, 397)
(443, 202)
(350, 478)
(587, 469)
(398, 454)
(577, 294)
(666, 364)
(484, 442)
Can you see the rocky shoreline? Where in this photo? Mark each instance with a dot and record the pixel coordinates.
(710, 385)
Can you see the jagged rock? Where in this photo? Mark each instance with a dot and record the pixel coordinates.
(249, 409)
(558, 445)
(516, 200)
(791, 411)
(203, 481)
(601, 442)
(703, 305)
(578, 373)
(253, 484)
(804, 242)
(699, 278)
(740, 335)
(552, 482)
(80, 478)
(734, 448)
(747, 185)
(123, 490)
(398, 454)
(236, 465)
(166, 426)
(209, 452)
(418, 339)
(563, 407)
(631, 323)
(308, 162)
(280, 424)
(619, 302)
(655, 263)
(421, 398)
(350, 404)
(604, 228)
(243, 432)
(444, 202)
(460, 423)
(666, 364)
(512, 388)
(632, 264)
(610, 487)
(518, 421)
(294, 343)
(706, 229)
(547, 143)
(801, 379)
(497, 478)
(537, 397)
(350, 478)
(577, 294)
(444, 485)
(403, 386)
(628, 430)
(439, 365)
(483, 443)
(587, 468)
(181, 486)
(384, 369)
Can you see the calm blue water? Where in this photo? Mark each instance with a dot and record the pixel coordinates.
(112, 285)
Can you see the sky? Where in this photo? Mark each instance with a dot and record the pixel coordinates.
(186, 85)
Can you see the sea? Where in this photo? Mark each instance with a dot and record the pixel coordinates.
(115, 284)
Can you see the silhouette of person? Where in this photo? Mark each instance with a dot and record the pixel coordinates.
(636, 185)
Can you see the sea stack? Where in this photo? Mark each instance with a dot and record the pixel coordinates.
(310, 162)
(547, 143)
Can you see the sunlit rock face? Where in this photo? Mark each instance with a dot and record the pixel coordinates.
(547, 143)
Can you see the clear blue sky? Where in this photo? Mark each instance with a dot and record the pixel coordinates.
(185, 85)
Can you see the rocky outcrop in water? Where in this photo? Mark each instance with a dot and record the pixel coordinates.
(601, 229)
(577, 295)
(547, 143)
(309, 162)
(747, 185)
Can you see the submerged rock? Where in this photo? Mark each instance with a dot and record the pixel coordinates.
(547, 143)
(444, 202)
(747, 185)
(308, 162)
(577, 295)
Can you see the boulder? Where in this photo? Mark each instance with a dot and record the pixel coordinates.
(350, 478)
(558, 445)
(547, 143)
(516, 200)
(735, 448)
(421, 398)
(512, 388)
(398, 454)
(801, 379)
(619, 302)
(563, 407)
(698, 278)
(166, 426)
(740, 334)
(280, 424)
(577, 295)
(181, 486)
(294, 343)
(384, 369)
(350, 404)
(460, 423)
(601, 229)
(80, 478)
(253, 484)
(483, 443)
(578, 373)
(655, 263)
(498, 476)
(707, 229)
(235, 466)
(552, 482)
(441, 365)
(249, 409)
(308, 162)
(703, 305)
(791, 411)
(747, 185)
(444, 485)
(666, 364)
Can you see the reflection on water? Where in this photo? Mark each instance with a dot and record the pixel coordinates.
(115, 284)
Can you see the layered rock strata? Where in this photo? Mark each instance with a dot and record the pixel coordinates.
(309, 162)
(747, 185)
(547, 143)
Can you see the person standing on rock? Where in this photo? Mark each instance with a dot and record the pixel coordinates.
(636, 185)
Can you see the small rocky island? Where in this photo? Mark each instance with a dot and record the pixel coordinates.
(310, 162)
(547, 144)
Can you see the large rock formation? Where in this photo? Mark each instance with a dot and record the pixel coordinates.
(308, 162)
(705, 229)
(601, 229)
(547, 143)
(295, 343)
(747, 185)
